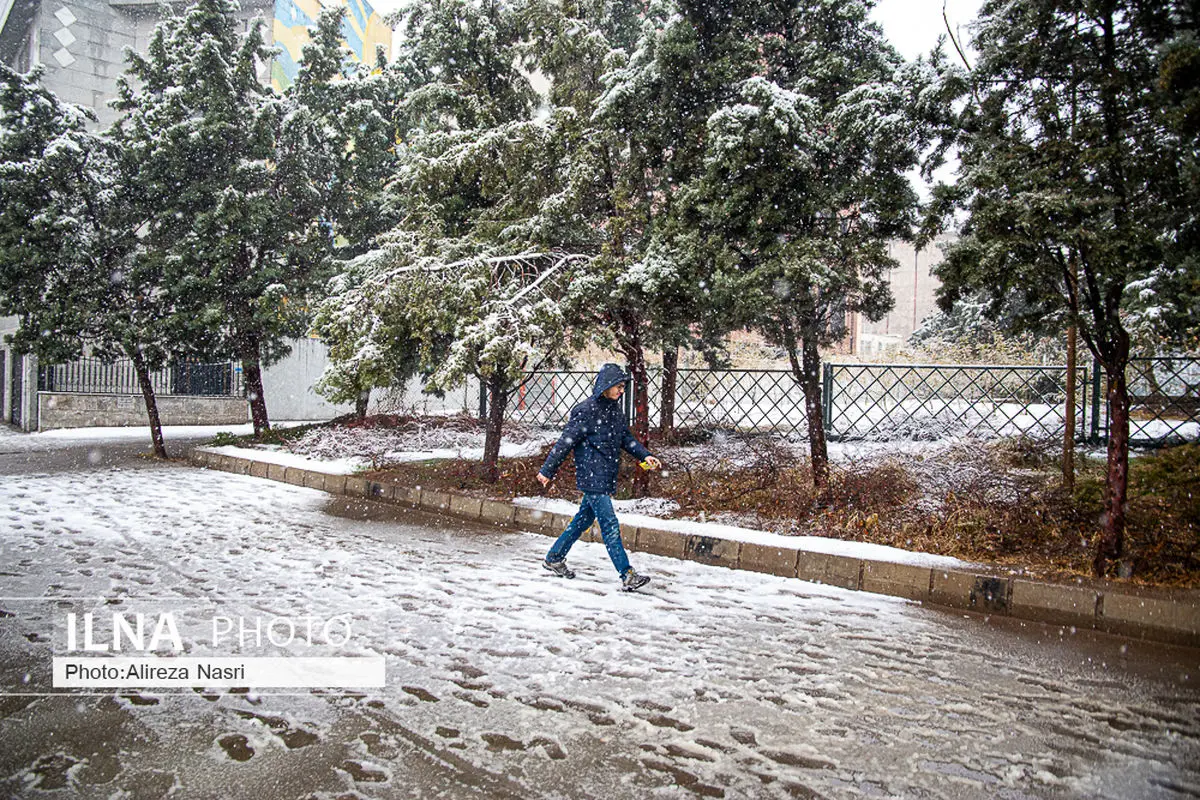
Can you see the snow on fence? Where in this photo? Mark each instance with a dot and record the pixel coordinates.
(902, 401)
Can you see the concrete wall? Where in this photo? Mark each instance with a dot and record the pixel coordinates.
(103, 410)
(411, 400)
(288, 385)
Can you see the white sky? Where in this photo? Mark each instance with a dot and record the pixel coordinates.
(914, 25)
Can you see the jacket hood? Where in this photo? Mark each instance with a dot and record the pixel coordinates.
(608, 376)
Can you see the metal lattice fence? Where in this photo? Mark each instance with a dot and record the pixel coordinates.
(1164, 395)
(546, 398)
(915, 401)
(744, 400)
(748, 400)
(94, 376)
(902, 401)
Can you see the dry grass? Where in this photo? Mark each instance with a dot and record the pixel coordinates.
(1001, 504)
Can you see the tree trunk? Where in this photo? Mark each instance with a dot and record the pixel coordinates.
(497, 406)
(361, 403)
(666, 419)
(814, 410)
(252, 373)
(628, 334)
(1068, 454)
(1116, 490)
(641, 413)
(143, 376)
(806, 370)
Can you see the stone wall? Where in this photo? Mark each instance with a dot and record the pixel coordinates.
(57, 410)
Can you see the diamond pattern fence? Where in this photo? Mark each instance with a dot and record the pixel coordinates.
(744, 400)
(546, 398)
(748, 400)
(902, 401)
(912, 401)
(1164, 396)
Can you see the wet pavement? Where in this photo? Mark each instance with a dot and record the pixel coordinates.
(505, 682)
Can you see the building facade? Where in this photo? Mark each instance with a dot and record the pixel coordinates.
(82, 45)
(914, 287)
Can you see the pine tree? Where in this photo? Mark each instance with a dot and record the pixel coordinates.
(349, 109)
(495, 318)
(352, 136)
(1076, 160)
(629, 126)
(74, 265)
(371, 339)
(805, 180)
(231, 184)
(471, 166)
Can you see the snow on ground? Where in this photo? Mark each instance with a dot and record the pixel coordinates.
(506, 682)
(348, 450)
(1169, 429)
(358, 448)
(12, 441)
(938, 468)
(640, 512)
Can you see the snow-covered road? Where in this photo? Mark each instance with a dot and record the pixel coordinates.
(505, 682)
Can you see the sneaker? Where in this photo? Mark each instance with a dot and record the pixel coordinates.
(632, 581)
(559, 568)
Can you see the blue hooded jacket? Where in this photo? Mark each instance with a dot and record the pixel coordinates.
(597, 433)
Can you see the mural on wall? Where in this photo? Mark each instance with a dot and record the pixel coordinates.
(363, 31)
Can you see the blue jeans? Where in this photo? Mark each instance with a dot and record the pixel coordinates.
(593, 507)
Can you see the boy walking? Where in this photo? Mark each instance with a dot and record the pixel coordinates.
(597, 433)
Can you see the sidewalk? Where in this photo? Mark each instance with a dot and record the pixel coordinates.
(1170, 616)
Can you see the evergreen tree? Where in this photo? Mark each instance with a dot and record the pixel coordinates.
(805, 180)
(630, 129)
(471, 166)
(496, 318)
(348, 109)
(74, 266)
(1076, 162)
(231, 183)
(370, 334)
(352, 136)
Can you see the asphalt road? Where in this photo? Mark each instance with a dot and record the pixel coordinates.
(505, 682)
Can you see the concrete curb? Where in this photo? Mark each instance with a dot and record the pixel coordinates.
(1121, 610)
